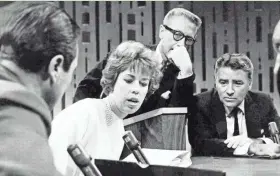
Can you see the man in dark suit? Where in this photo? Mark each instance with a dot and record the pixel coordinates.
(230, 119)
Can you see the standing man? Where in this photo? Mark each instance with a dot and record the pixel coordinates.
(38, 55)
(230, 119)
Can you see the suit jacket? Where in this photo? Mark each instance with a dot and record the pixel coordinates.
(208, 127)
(181, 89)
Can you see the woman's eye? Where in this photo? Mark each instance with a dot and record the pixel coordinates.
(143, 84)
(128, 80)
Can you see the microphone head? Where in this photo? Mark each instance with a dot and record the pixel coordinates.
(272, 127)
(78, 155)
(130, 140)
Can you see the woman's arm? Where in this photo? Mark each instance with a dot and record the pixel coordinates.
(68, 127)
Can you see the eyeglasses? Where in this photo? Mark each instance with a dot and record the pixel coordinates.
(178, 35)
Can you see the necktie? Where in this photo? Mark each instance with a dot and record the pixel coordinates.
(236, 127)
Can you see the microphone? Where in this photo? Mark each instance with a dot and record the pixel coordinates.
(274, 132)
(134, 146)
(83, 160)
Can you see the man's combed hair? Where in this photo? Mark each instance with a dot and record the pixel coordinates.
(185, 13)
(134, 56)
(36, 32)
(235, 61)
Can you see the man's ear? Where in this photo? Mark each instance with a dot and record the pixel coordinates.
(161, 31)
(56, 67)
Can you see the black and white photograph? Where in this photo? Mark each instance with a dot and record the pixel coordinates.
(139, 88)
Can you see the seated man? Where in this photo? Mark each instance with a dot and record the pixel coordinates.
(38, 55)
(230, 119)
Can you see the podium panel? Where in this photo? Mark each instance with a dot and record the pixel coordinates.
(162, 128)
(121, 168)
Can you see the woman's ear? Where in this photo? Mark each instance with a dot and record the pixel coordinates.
(55, 67)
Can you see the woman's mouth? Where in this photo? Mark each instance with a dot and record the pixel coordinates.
(133, 100)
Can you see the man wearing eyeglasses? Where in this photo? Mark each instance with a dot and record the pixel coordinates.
(177, 34)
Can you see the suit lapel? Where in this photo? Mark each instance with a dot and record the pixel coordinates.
(253, 117)
(219, 116)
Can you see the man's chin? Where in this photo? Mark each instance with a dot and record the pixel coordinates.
(230, 104)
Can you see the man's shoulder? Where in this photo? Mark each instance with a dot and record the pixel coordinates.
(207, 95)
(204, 99)
(259, 96)
(18, 94)
(18, 102)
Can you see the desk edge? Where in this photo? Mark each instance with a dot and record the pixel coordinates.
(154, 113)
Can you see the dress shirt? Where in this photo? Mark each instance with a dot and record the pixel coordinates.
(241, 116)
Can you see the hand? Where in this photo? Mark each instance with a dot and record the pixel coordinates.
(272, 150)
(181, 58)
(237, 141)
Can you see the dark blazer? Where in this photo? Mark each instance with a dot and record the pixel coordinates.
(208, 128)
(181, 89)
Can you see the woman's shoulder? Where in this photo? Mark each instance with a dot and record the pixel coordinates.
(88, 101)
(92, 103)
(92, 106)
(81, 109)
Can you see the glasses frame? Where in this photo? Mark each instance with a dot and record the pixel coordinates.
(188, 39)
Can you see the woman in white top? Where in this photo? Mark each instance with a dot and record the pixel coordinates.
(97, 124)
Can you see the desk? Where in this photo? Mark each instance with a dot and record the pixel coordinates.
(239, 166)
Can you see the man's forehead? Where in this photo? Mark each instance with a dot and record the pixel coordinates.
(227, 73)
(181, 23)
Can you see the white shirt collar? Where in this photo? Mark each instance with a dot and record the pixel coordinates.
(242, 106)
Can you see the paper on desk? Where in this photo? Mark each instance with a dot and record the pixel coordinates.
(164, 157)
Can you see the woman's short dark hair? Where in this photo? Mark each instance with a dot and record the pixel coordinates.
(36, 32)
(134, 56)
